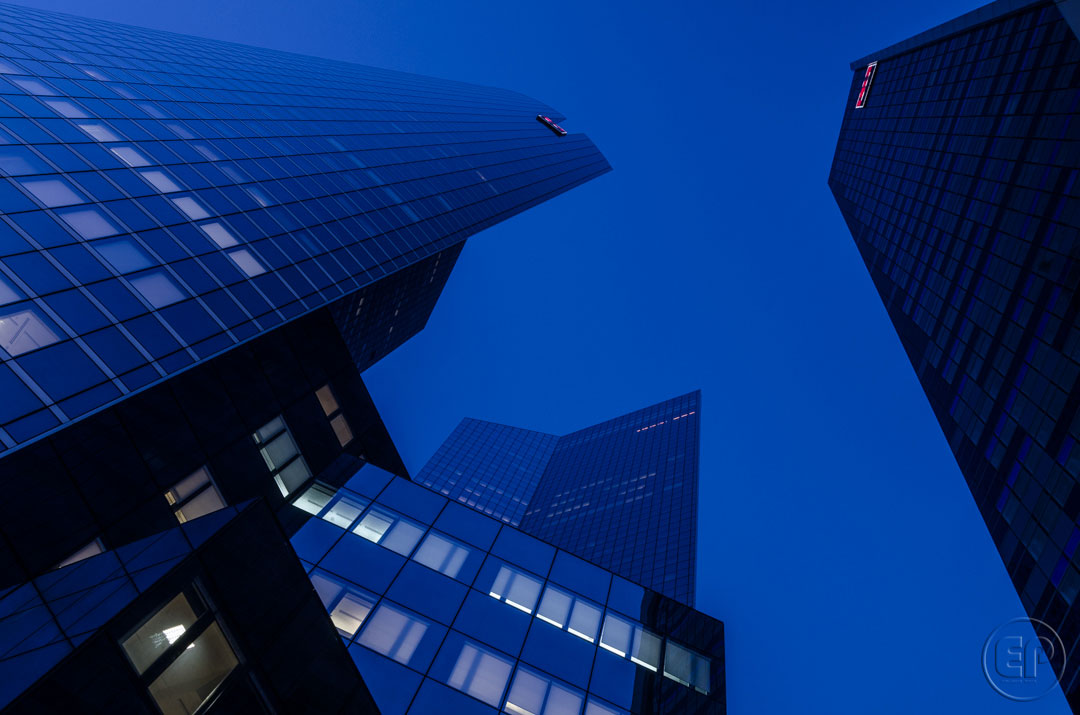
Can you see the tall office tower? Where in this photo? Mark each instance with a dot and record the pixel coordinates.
(956, 171)
(447, 610)
(622, 494)
(201, 246)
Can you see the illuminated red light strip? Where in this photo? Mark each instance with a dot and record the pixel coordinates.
(865, 89)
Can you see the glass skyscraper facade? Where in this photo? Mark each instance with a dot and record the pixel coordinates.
(447, 610)
(202, 245)
(622, 494)
(956, 172)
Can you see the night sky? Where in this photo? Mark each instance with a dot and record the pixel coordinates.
(838, 540)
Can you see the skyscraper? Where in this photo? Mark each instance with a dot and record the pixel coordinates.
(956, 171)
(202, 245)
(622, 494)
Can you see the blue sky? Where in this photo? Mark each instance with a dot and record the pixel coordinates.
(838, 540)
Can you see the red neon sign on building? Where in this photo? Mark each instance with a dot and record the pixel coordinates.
(866, 80)
(550, 124)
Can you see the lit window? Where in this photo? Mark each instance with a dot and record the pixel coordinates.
(191, 208)
(33, 86)
(327, 400)
(98, 132)
(394, 632)
(332, 410)
(7, 67)
(442, 554)
(94, 74)
(481, 673)
(630, 640)
(315, 499)
(194, 496)
(190, 680)
(219, 234)
(23, 330)
(160, 180)
(687, 667)
(594, 707)
(247, 262)
(341, 429)
(180, 131)
(348, 606)
(563, 609)
(157, 287)
(89, 222)
(344, 510)
(515, 588)
(389, 529)
(150, 641)
(130, 156)
(53, 192)
(66, 109)
(532, 693)
(282, 456)
(124, 254)
(94, 548)
(208, 153)
(257, 194)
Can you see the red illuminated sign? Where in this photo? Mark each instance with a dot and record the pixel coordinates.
(866, 80)
(550, 124)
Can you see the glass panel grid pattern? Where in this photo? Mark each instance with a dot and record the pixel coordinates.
(253, 186)
(466, 646)
(958, 182)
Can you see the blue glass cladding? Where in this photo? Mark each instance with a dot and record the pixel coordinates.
(622, 494)
(194, 193)
(487, 639)
(958, 183)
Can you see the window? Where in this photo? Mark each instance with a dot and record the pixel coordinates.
(194, 495)
(630, 640)
(563, 609)
(314, 499)
(33, 86)
(687, 667)
(480, 672)
(185, 652)
(19, 161)
(124, 254)
(53, 192)
(515, 588)
(442, 554)
(337, 420)
(158, 288)
(533, 693)
(89, 222)
(8, 292)
(389, 529)
(66, 109)
(219, 234)
(98, 132)
(281, 455)
(189, 680)
(348, 606)
(191, 208)
(23, 330)
(130, 156)
(394, 632)
(160, 181)
(864, 90)
(94, 548)
(246, 261)
(344, 509)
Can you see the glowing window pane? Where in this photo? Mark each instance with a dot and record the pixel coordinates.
(442, 554)
(219, 234)
(53, 192)
(124, 254)
(89, 223)
(158, 289)
(480, 673)
(191, 208)
(246, 262)
(8, 292)
(66, 109)
(33, 86)
(394, 633)
(130, 156)
(99, 132)
(22, 331)
(160, 181)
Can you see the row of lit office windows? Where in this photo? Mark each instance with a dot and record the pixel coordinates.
(558, 607)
